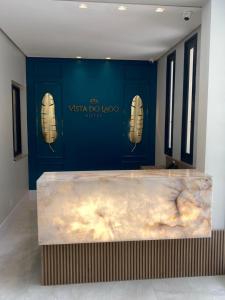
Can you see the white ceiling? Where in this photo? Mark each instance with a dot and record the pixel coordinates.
(181, 3)
(48, 28)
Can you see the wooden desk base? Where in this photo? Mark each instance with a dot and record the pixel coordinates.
(117, 261)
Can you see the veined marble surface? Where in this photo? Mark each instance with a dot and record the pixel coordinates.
(102, 206)
(20, 271)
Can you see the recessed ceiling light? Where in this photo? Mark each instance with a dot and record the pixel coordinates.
(79, 57)
(160, 9)
(122, 7)
(108, 58)
(83, 6)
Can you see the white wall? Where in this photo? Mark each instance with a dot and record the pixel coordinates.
(178, 103)
(211, 158)
(210, 105)
(13, 174)
(203, 86)
(160, 112)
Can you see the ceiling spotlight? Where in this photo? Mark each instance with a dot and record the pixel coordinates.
(160, 9)
(122, 7)
(108, 58)
(83, 6)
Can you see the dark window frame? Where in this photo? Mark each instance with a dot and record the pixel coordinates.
(167, 149)
(16, 121)
(189, 44)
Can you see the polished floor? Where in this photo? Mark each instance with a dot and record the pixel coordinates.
(20, 271)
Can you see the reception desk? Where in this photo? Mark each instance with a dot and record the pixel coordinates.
(103, 219)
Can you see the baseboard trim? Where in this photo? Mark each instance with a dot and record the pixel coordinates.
(117, 261)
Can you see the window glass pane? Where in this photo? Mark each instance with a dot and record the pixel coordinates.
(14, 121)
(16, 118)
(190, 88)
(170, 84)
(171, 104)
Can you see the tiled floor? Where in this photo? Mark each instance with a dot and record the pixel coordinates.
(20, 272)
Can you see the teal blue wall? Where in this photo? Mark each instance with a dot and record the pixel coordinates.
(90, 141)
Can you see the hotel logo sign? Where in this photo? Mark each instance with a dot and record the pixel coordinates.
(94, 109)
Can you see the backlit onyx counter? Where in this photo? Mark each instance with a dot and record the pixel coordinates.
(84, 211)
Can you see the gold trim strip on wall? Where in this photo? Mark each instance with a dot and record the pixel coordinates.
(117, 261)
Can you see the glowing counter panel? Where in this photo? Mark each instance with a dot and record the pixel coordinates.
(103, 206)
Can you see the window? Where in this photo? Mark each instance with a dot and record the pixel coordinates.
(190, 61)
(170, 85)
(17, 145)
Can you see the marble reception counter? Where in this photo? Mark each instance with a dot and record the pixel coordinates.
(108, 206)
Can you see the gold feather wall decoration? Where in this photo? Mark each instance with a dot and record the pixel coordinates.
(136, 121)
(48, 119)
